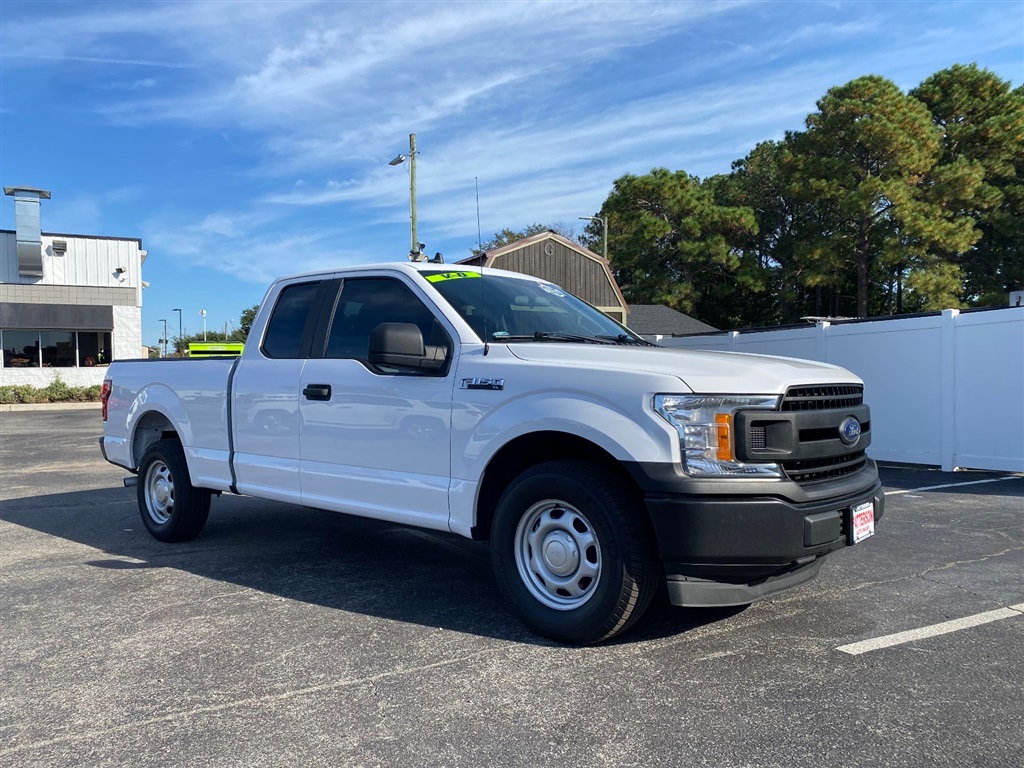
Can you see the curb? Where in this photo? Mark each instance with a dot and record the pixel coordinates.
(72, 406)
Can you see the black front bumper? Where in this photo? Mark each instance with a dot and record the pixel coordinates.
(733, 549)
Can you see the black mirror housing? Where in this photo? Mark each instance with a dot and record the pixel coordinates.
(401, 344)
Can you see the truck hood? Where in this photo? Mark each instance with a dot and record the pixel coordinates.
(706, 372)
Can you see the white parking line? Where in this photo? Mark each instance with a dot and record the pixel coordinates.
(887, 641)
(953, 485)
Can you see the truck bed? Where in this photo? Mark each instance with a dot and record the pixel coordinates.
(190, 394)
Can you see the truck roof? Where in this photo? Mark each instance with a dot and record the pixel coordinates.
(410, 267)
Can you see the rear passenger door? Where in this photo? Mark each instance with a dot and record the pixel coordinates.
(377, 442)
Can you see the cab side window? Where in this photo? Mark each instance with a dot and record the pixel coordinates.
(367, 302)
(287, 328)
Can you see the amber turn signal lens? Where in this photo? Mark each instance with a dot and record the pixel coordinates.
(724, 426)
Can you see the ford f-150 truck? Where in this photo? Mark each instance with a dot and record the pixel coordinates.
(499, 407)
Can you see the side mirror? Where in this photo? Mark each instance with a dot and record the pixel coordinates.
(401, 345)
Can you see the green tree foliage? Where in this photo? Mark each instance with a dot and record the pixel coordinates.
(982, 125)
(887, 202)
(671, 243)
(772, 283)
(863, 162)
(245, 323)
(506, 236)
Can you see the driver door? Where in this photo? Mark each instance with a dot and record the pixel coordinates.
(377, 442)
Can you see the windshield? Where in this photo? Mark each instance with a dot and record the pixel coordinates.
(500, 308)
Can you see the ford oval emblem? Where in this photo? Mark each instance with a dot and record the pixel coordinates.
(849, 431)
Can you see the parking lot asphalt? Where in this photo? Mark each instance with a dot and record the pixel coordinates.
(288, 636)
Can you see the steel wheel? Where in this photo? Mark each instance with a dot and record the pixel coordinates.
(558, 555)
(573, 551)
(172, 509)
(159, 492)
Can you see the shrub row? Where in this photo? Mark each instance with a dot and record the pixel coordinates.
(56, 392)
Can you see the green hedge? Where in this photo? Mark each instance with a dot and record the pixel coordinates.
(56, 392)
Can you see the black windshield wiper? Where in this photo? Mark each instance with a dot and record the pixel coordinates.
(550, 336)
(624, 339)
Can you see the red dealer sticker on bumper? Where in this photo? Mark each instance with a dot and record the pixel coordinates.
(862, 522)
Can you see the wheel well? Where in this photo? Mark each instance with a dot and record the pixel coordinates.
(528, 451)
(152, 426)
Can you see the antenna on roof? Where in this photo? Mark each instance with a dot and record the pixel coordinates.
(479, 238)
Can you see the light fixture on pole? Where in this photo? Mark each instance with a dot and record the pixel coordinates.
(180, 334)
(415, 248)
(164, 339)
(604, 225)
(203, 313)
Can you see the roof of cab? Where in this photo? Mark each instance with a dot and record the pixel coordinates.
(409, 268)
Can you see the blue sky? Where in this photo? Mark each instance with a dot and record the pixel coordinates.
(242, 141)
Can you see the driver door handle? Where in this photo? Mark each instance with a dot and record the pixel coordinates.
(317, 392)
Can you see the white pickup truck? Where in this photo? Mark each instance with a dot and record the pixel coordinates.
(499, 407)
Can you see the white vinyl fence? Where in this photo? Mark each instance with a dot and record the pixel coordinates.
(944, 390)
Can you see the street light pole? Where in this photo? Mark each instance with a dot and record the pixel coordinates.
(203, 313)
(179, 325)
(604, 225)
(412, 194)
(165, 336)
(414, 249)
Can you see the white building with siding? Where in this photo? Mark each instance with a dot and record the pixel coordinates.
(69, 304)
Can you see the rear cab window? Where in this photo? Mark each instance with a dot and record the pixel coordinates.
(290, 328)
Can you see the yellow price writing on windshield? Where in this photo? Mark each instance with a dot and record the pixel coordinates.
(440, 276)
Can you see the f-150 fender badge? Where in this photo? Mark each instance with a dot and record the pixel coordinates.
(480, 383)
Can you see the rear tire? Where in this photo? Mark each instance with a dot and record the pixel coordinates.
(573, 552)
(172, 508)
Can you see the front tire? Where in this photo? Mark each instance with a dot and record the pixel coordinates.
(573, 552)
(172, 508)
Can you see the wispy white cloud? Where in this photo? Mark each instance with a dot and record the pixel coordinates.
(249, 247)
(87, 211)
(395, 64)
(827, 33)
(100, 60)
(79, 214)
(545, 102)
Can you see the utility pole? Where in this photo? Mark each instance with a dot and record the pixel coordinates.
(415, 248)
(164, 339)
(203, 313)
(415, 252)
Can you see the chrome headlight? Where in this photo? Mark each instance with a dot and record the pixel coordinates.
(706, 428)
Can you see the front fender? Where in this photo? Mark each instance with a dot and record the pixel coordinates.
(627, 431)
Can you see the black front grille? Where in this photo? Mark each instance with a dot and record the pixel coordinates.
(816, 470)
(823, 398)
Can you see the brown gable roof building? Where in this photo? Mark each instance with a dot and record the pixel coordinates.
(550, 256)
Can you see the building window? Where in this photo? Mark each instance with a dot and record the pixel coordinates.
(21, 349)
(58, 349)
(93, 349)
(55, 349)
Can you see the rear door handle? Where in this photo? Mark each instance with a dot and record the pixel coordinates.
(317, 392)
